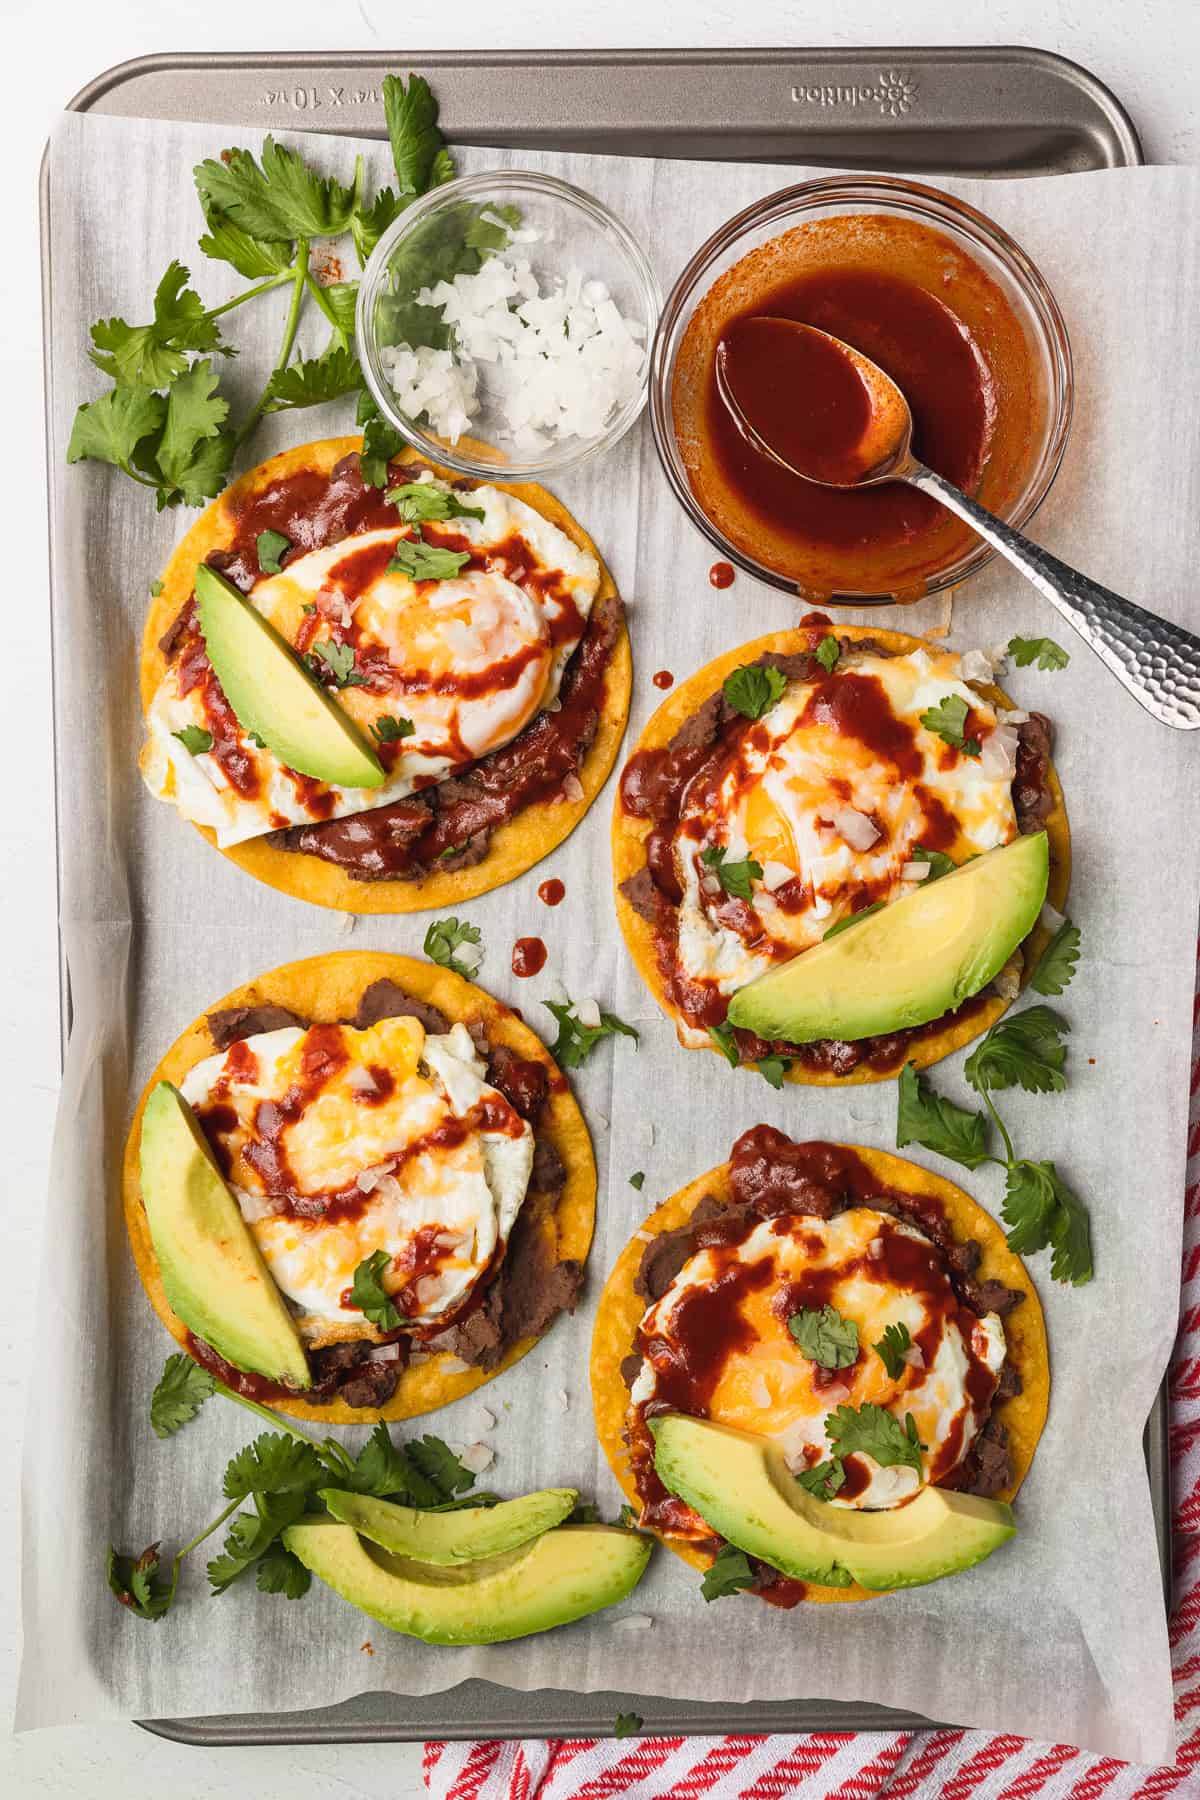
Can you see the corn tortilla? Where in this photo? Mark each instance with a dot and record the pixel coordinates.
(327, 988)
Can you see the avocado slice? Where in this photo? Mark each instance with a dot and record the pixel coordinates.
(273, 694)
(914, 961)
(465, 1536)
(212, 1270)
(742, 1487)
(560, 1576)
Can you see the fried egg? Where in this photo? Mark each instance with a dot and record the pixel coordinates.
(338, 1142)
(830, 793)
(717, 1344)
(467, 662)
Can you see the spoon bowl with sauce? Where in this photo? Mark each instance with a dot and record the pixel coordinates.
(829, 415)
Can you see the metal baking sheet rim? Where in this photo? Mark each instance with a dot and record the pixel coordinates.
(469, 1710)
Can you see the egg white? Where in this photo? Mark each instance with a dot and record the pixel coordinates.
(782, 776)
(471, 1193)
(506, 616)
(766, 1387)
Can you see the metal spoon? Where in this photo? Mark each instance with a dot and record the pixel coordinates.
(1156, 661)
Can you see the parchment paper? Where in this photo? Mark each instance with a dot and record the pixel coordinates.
(1060, 1637)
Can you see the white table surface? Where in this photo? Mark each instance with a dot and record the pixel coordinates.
(1148, 51)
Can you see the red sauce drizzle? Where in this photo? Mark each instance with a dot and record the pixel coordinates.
(721, 575)
(663, 679)
(552, 892)
(529, 956)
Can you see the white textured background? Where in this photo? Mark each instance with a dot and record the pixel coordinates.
(1148, 51)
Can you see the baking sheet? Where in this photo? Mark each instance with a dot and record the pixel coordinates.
(141, 896)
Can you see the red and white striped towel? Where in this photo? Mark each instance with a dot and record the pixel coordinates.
(939, 1765)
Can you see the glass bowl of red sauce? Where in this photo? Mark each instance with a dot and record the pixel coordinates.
(946, 303)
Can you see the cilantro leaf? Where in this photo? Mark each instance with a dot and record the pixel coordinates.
(195, 740)
(370, 222)
(418, 147)
(389, 729)
(773, 1069)
(864, 912)
(445, 936)
(341, 297)
(827, 653)
(876, 1433)
(370, 1296)
(416, 501)
(381, 442)
(1025, 1049)
(278, 1571)
(440, 1467)
(151, 355)
(182, 1389)
(1040, 1209)
(825, 1337)
(575, 1041)
(426, 562)
(271, 546)
(1048, 654)
(924, 1117)
(754, 688)
(939, 863)
(273, 1464)
(193, 454)
(824, 1478)
(381, 1468)
(339, 660)
(638, 1179)
(947, 720)
(255, 258)
(156, 588)
(892, 1345)
(326, 377)
(735, 877)
(279, 199)
(112, 427)
(1057, 967)
(729, 1573)
(723, 1037)
(627, 1725)
(137, 1584)
(253, 1532)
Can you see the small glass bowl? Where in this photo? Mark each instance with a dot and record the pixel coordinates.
(425, 242)
(972, 232)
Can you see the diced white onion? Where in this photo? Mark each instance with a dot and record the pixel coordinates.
(454, 1365)
(1008, 982)
(875, 1249)
(976, 665)
(775, 875)
(562, 1400)
(709, 884)
(448, 1240)
(1014, 716)
(855, 827)
(428, 1289)
(914, 1356)
(384, 1353)
(477, 1458)
(760, 1393)
(480, 1420)
(837, 1391)
(644, 1237)
(572, 787)
(367, 1180)
(1051, 918)
(998, 755)
(254, 1207)
(633, 1622)
(587, 1011)
(362, 1081)
(347, 924)
(915, 871)
(557, 992)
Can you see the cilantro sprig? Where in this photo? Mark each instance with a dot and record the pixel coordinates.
(1042, 650)
(163, 422)
(417, 501)
(825, 1337)
(270, 1483)
(426, 562)
(728, 1573)
(947, 720)
(370, 1296)
(891, 1347)
(1026, 1050)
(447, 936)
(754, 688)
(576, 1041)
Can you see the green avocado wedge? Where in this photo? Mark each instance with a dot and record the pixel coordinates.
(273, 695)
(561, 1576)
(742, 1487)
(911, 962)
(450, 1538)
(212, 1271)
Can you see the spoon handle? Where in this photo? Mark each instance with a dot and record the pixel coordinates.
(1157, 662)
